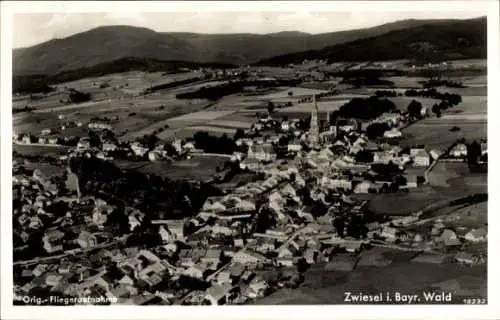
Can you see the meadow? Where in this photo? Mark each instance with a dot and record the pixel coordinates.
(436, 134)
(199, 168)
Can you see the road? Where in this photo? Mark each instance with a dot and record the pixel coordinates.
(40, 145)
(292, 237)
(211, 155)
(66, 254)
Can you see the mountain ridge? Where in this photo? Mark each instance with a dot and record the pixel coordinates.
(108, 43)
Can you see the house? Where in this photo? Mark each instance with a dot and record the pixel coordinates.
(389, 233)
(164, 234)
(39, 270)
(86, 240)
(196, 271)
(212, 257)
(155, 155)
(382, 157)
(365, 187)
(251, 164)
(53, 280)
(311, 255)
(477, 235)
(466, 258)
(284, 261)
(294, 146)
(224, 277)
(135, 219)
(392, 134)
(83, 145)
(285, 126)
(176, 227)
(421, 158)
(449, 238)
(138, 149)
(219, 229)
(262, 152)
(53, 241)
(484, 148)
(107, 147)
(404, 221)
(435, 154)
(46, 132)
(248, 257)
(256, 289)
(218, 294)
(189, 146)
(459, 151)
(344, 184)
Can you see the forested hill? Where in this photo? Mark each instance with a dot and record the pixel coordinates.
(442, 40)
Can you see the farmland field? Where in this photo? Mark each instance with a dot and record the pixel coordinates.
(471, 282)
(296, 92)
(202, 116)
(307, 107)
(197, 168)
(435, 133)
(403, 204)
(457, 175)
(403, 102)
(39, 150)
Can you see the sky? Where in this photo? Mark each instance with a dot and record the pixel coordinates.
(33, 28)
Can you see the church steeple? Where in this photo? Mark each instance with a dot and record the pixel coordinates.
(314, 130)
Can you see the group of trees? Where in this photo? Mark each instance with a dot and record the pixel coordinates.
(216, 92)
(387, 93)
(76, 96)
(439, 82)
(213, 144)
(366, 81)
(376, 130)
(365, 109)
(154, 195)
(451, 98)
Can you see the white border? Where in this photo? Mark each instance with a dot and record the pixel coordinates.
(240, 312)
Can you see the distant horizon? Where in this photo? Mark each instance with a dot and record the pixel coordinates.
(34, 29)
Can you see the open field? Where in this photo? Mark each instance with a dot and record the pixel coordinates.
(296, 92)
(197, 168)
(471, 105)
(400, 204)
(307, 107)
(435, 133)
(403, 102)
(474, 216)
(456, 174)
(406, 82)
(331, 286)
(39, 150)
(202, 116)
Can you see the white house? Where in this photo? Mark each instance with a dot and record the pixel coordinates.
(138, 149)
(365, 187)
(264, 152)
(107, 147)
(421, 158)
(83, 145)
(459, 151)
(393, 133)
(294, 146)
(155, 155)
(285, 126)
(477, 235)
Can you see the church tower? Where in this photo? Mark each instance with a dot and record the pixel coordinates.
(314, 130)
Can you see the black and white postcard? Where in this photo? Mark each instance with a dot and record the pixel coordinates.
(248, 155)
